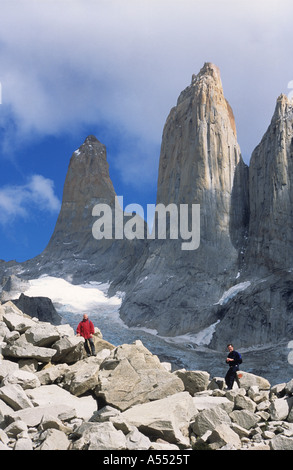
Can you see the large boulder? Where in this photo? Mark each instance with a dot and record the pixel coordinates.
(38, 307)
(206, 402)
(23, 350)
(24, 378)
(15, 319)
(14, 396)
(208, 419)
(132, 375)
(48, 395)
(245, 418)
(167, 418)
(68, 349)
(54, 440)
(194, 380)
(280, 408)
(223, 435)
(82, 376)
(7, 367)
(34, 416)
(99, 436)
(280, 442)
(42, 334)
(248, 380)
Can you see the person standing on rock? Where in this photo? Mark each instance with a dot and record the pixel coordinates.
(234, 360)
(86, 329)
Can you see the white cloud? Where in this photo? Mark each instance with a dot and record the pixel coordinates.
(68, 63)
(23, 200)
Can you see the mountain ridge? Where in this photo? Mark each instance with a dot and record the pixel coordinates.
(246, 221)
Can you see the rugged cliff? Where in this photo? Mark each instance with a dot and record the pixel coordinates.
(238, 281)
(271, 193)
(262, 312)
(72, 251)
(200, 163)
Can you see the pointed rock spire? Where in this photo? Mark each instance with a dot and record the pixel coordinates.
(87, 183)
(200, 156)
(271, 192)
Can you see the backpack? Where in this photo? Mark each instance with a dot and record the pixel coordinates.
(239, 359)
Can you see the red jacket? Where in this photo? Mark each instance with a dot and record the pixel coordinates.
(85, 328)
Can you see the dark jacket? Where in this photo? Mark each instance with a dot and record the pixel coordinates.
(236, 358)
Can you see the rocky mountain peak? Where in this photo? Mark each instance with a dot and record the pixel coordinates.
(206, 87)
(246, 222)
(200, 163)
(200, 159)
(208, 72)
(87, 183)
(88, 174)
(271, 192)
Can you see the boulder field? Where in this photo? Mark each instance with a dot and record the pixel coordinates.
(54, 397)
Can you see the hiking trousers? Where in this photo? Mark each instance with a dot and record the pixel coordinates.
(231, 376)
(89, 347)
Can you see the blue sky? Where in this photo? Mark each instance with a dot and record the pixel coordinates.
(114, 68)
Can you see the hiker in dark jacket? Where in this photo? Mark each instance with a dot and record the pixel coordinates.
(233, 359)
(86, 329)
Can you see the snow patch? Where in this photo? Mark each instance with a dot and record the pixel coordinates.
(76, 299)
(202, 338)
(232, 292)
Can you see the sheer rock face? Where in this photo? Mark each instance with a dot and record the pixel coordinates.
(245, 227)
(87, 183)
(200, 163)
(72, 249)
(271, 193)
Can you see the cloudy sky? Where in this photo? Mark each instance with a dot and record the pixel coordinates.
(114, 68)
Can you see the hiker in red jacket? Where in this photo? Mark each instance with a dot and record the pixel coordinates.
(86, 330)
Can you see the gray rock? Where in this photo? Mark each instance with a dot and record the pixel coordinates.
(11, 286)
(54, 440)
(244, 418)
(223, 435)
(208, 419)
(132, 375)
(15, 397)
(104, 414)
(136, 440)
(281, 442)
(52, 374)
(279, 408)
(167, 418)
(15, 428)
(48, 395)
(15, 319)
(24, 378)
(42, 334)
(68, 349)
(207, 402)
(107, 437)
(38, 307)
(34, 416)
(244, 403)
(23, 350)
(23, 443)
(7, 367)
(170, 291)
(84, 378)
(99, 436)
(194, 380)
